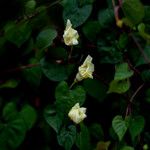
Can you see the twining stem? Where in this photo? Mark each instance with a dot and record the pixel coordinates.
(135, 93)
(19, 68)
(72, 84)
(120, 3)
(116, 10)
(147, 60)
(128, 110)
(24, 18)
(70, 53)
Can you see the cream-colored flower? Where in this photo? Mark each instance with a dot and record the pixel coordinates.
(77, 113)
(70, 35)
(85, 70)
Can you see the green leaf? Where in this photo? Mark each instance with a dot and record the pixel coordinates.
(58, 53)
(30, 6)
(9, 111)
(145, 74)
(136, 126)
(15, 132)
(29, 116)
(45, 38)
(33, 75)
(96, 131)
(106, 17)
(66, 98)
(52, 118)
(142, 31)
(77, 14)
(147, 95)
(103, 145)
(120, 126)
(133, 10)
(18, 33)
(127, 148)
(55, 71)
(67, 137)
(119, 87)
(91, 30)
(123, 41)
(99, 91)
(83, 138)
(9, 84)
(122, 72)
(13, 129)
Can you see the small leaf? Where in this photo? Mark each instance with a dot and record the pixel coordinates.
(96, 131)
(29, 116)
(145, 74)
(9, 111)
(127, 148)
(9, 84)
(67, 137)
(83, 138)
(45, 38)
(103, 145)
(91, 30)
(141, 60)
(30, 6)
(99, 91)
(18, 33)
(120, 126)
(33, 75)
(52, 118)
(136, 126)
(54, 71)
(119, 87)
(122, 72)
(147, 97)
(66, 98)
(133, 10)
(77, 14)
(106, 17)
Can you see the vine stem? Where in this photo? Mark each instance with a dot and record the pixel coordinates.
(120, 3)
(24, 18)
(72, 84)
(135, 93)
(116, 10)
(19, 68)
(70, 53)
(147, 60)
(128, 110)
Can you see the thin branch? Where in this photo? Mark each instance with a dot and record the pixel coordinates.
(135, 93)
(147, 60)
(120, 3)
(18, 68)
(34, 14)
(128, 109)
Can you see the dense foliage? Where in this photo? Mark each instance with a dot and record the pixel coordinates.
(41, 82)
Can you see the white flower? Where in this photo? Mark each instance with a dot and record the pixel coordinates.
(77, 113)
(70, 35)
(85, 70)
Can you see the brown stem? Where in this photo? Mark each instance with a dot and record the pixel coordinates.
(147, 60)
(19, 68)
(116, 10)
(128, 109)
(120, 3)
(34, 14)
(135, 93)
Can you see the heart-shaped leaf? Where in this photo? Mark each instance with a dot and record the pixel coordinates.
(66, 98)
(120, 126)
